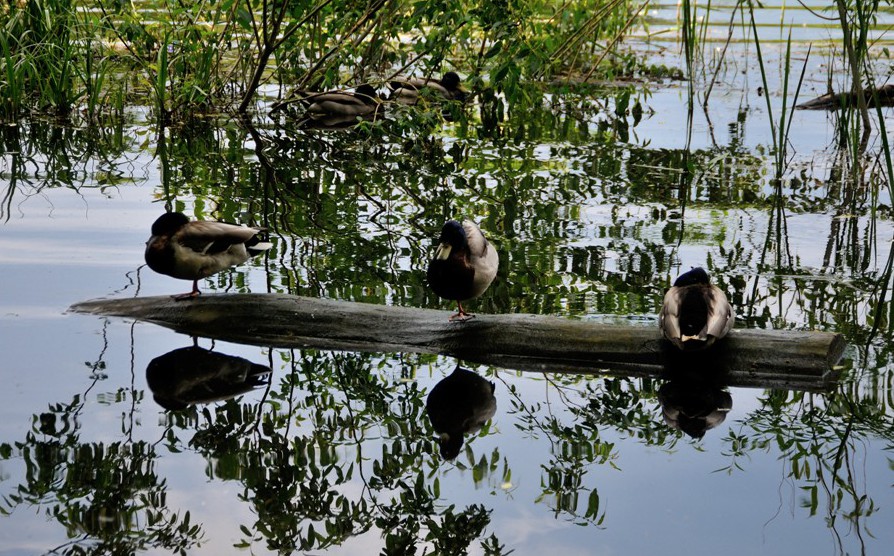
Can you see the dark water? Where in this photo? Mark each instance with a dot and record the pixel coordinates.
(332, 452)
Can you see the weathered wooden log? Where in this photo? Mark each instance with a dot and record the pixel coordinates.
(883, 96)
(761, 358)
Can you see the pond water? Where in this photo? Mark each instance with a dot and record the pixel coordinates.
(332, 452)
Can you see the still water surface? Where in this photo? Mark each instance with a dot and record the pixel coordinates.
(332, 452)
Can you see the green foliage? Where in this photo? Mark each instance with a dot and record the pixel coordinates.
(198, 58)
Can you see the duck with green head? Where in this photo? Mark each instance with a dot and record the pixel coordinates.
(695, 313)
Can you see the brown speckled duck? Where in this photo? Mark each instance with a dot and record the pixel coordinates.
(362, 103)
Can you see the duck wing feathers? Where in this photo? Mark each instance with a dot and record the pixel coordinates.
(720, 313)
(712, 319)
(214, 237)
(483, 258)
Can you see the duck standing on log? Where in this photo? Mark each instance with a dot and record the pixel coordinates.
(464, 265)
(192, 250)
(695, 313)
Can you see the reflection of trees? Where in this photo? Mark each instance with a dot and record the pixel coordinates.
(36, 155)
(574, 448)
(331, 426)
(107, 495)
(823, 442)
(333, 452)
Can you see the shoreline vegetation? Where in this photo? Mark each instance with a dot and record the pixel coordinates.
(86, 61)
(63, 58)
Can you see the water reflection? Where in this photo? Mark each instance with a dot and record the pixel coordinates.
(458, 405)
(589, 227)
(195, 375)
(694, 405)
(694, 397)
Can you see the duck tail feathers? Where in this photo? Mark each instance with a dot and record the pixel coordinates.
(259, 248)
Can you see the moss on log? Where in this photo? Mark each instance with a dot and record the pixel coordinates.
(758, 358)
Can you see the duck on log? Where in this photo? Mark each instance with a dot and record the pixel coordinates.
(764, 358)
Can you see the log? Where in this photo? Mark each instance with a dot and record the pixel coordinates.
(799, 360)
(883, 96)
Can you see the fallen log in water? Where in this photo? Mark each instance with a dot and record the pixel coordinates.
(883, 96)
(758, 358)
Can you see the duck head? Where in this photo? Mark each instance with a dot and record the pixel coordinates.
(366, 92)
(450, 81)
(449, 445)
(453, 236)
(168, 223)
(692, 278)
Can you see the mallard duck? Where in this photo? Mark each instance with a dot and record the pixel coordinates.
(408, 91)
(695, 313)
(459, 404)
(464, 266)
(194, 375)
(191, 250)
(362, 103)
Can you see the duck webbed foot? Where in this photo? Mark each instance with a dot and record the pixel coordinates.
(461, 315)
(189, 295)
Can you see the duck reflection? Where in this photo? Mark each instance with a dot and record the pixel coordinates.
(195, 375)
(459, 404)
(694, 404)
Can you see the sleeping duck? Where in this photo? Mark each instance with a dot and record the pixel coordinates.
(191, 250)
(408, 91)
(362, 103)
(695, 313)
(464, 265)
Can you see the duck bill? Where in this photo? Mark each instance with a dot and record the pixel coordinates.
(443, 252)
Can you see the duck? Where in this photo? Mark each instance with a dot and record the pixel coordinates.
(192, 250)
(408, 91)
(343, 105)
(464, 265)
(695, 313)
(459, 404)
